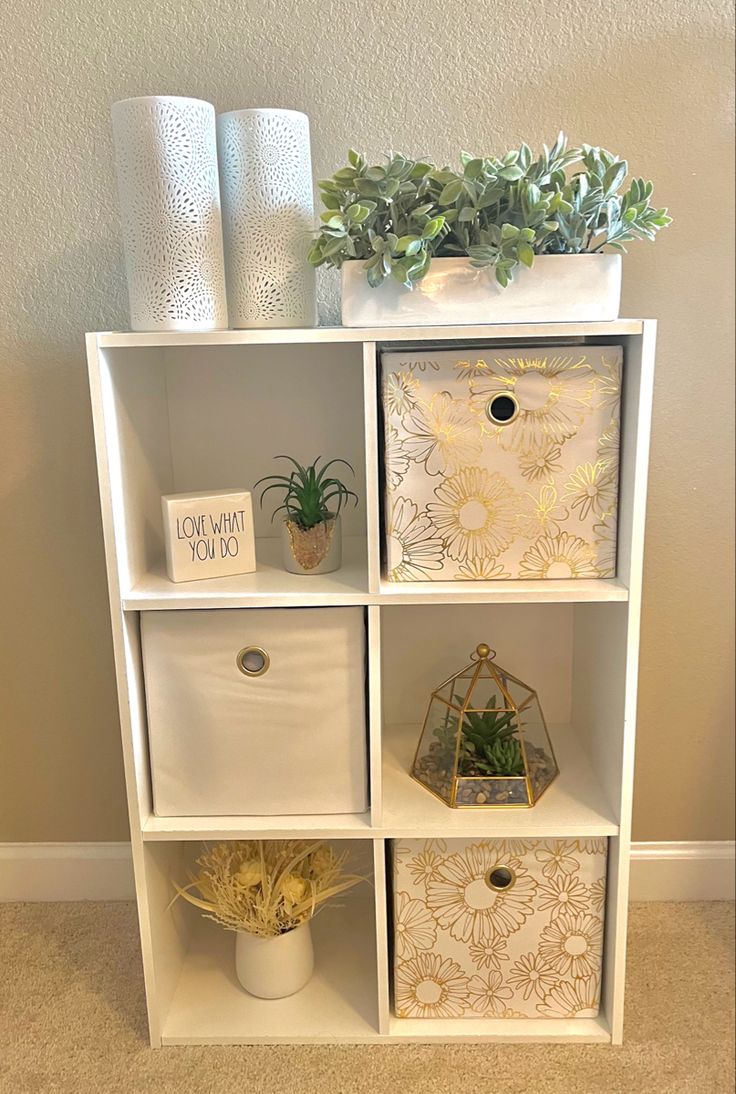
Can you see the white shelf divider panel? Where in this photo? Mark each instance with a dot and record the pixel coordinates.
(372, 481)
(149, 394)
(298, 826)
(560, 591)
(270, 585)
(551, 1031)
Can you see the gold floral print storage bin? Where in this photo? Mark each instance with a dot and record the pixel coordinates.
(501, 463)
(498, 928)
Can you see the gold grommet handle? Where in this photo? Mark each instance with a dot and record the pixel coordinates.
(502, 408)
(252, 661)
(500, 878)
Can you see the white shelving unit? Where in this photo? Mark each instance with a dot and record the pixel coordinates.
(179, 412)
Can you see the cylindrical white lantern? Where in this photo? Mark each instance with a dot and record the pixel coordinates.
(166, 161)
(268, 217)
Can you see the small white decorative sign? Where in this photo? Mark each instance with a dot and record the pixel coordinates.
(208, 534)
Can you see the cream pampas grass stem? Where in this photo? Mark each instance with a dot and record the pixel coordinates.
(266, 887)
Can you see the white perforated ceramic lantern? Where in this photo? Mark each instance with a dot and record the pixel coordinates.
(166, 163)
(268, 217)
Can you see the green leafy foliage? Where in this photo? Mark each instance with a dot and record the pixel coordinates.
(500, 758)
(489, 744)
(502, 212)
(310, 495)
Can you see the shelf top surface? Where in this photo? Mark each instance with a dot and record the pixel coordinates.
(307, 826)
(573, 804)
(271, 586)
(285, 335)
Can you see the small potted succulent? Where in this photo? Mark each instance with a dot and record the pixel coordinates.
(268, 891)
(312, 500)
(515, 238)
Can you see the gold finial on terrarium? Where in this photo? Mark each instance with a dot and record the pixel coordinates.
(484, 652)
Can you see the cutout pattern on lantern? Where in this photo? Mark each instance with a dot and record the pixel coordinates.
(268, 204)
(166, 162)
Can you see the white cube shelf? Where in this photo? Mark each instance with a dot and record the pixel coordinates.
(185, 412)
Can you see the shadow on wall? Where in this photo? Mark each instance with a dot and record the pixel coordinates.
(64, 759)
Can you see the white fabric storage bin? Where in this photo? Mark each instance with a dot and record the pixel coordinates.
(501, 463)
(290, 738)
(498, 928)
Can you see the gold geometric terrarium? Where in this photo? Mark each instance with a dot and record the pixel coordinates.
(485, 742)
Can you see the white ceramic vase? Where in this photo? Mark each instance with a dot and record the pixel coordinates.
(166, 163)
(268, 217)
(272, 968)
(557, 289)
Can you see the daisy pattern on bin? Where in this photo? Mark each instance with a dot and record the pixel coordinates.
(578, 999)
(428, 986)
(462, 900)
(554, 393)
(474, 513)
(414, 927)
(414, 548)
(572, 945)
(443, 434)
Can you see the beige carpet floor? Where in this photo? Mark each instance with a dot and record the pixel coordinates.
(72, 1020)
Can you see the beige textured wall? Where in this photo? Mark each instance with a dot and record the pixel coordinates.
(647, 78)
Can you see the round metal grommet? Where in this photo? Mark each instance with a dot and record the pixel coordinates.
(502, 409)
(500, 878)
(253, 661)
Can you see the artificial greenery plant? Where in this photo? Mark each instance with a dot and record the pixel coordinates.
(489, 744)
(311, 497)
(500, 212)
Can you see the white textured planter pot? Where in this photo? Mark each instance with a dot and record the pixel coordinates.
(166, 163)
(268, 217)
(557, 289)
(272, 968)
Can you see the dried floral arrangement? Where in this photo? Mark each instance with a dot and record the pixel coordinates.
(266, 887)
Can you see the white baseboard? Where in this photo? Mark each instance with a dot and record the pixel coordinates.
(66, 871)
(104, 871)
(683, 871)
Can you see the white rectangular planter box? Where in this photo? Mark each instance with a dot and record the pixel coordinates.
(275, 731)
(498, 928)
(557, 289)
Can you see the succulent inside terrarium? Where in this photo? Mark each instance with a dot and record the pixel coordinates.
(489, 744)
